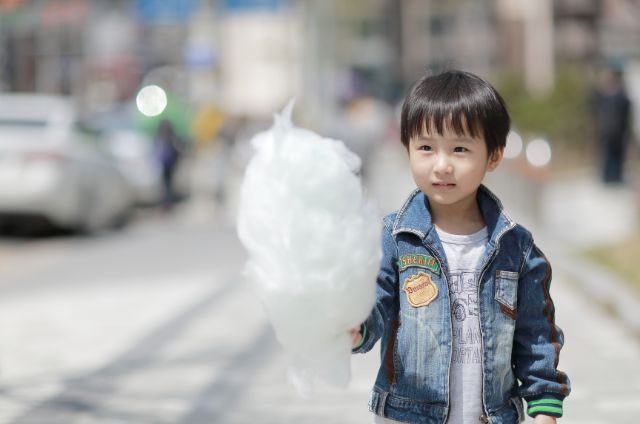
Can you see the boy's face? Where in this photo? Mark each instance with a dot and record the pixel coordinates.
(449, 168)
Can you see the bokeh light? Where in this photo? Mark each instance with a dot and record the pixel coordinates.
(538, 152)
(151, 100)
(514, 145)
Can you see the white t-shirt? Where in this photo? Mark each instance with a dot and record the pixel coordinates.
(464, 253)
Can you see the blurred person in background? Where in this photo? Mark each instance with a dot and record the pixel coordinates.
(168, 148)
(611, 111)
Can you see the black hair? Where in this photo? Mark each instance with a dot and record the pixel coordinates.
(461, 101)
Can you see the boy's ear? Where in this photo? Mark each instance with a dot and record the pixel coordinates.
(495, 159)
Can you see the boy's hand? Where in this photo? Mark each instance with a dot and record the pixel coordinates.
(544, 419)
(356, 336)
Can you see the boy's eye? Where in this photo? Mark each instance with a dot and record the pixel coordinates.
(460, 149)
(425, 148)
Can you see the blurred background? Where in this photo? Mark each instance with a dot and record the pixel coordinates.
(124, 134)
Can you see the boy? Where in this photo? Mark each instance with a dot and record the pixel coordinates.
(463, 306)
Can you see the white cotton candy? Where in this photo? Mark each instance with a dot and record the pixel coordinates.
(314, 246)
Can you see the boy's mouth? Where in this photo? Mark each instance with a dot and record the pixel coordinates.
(443, 185)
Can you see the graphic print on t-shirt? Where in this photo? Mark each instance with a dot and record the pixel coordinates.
(463, 292)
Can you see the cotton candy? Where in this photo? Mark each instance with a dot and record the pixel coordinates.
(313, 241)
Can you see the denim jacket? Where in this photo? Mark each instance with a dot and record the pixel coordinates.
(520, 341)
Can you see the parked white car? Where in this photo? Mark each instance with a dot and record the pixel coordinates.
(51, 169)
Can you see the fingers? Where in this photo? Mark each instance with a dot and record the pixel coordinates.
(356, 336)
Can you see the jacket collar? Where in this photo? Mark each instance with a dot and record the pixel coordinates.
(415, 217)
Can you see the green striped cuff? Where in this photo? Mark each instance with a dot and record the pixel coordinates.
(551, 407)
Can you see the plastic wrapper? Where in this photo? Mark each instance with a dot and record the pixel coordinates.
(314, 247)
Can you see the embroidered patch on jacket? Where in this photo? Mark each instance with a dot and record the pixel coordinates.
(420, 289)
(420, 261)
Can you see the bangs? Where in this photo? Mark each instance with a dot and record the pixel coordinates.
(436, 122)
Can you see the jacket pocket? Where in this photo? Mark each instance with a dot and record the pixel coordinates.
(506, 292)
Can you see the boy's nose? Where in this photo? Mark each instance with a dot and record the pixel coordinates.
(443, 166)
